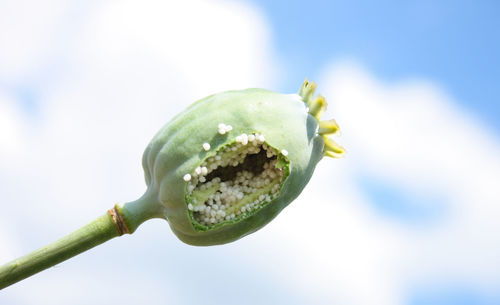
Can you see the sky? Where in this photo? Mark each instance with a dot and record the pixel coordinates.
(452, 43)
(409, 216)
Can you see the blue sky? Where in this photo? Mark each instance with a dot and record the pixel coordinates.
(408, 217)
(453, 43)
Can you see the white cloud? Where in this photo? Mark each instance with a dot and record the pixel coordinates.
(11, 127)
(124, 70)
(208, 45)
(8, 245)
(413, 137)
(29, 30)
(130, 67)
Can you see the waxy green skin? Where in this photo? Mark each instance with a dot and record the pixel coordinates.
(177, 150)
(285, 121)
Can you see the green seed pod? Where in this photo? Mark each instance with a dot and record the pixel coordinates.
(220, 170)
(229, 163)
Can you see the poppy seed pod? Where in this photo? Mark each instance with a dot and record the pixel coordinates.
(229, 163)
(218, 171)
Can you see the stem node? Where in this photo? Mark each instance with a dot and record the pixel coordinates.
(118, 221)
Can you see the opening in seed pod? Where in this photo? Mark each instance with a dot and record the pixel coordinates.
(235, 183)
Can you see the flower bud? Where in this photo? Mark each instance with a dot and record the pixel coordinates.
(230, 163)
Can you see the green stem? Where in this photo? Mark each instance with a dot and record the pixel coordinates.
(95, 233)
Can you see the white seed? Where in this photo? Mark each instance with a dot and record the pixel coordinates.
(197, 170)
(284, 152)
(244, 139)
(187, 177)
(206, 146)
(204, 171)
(190, 207)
